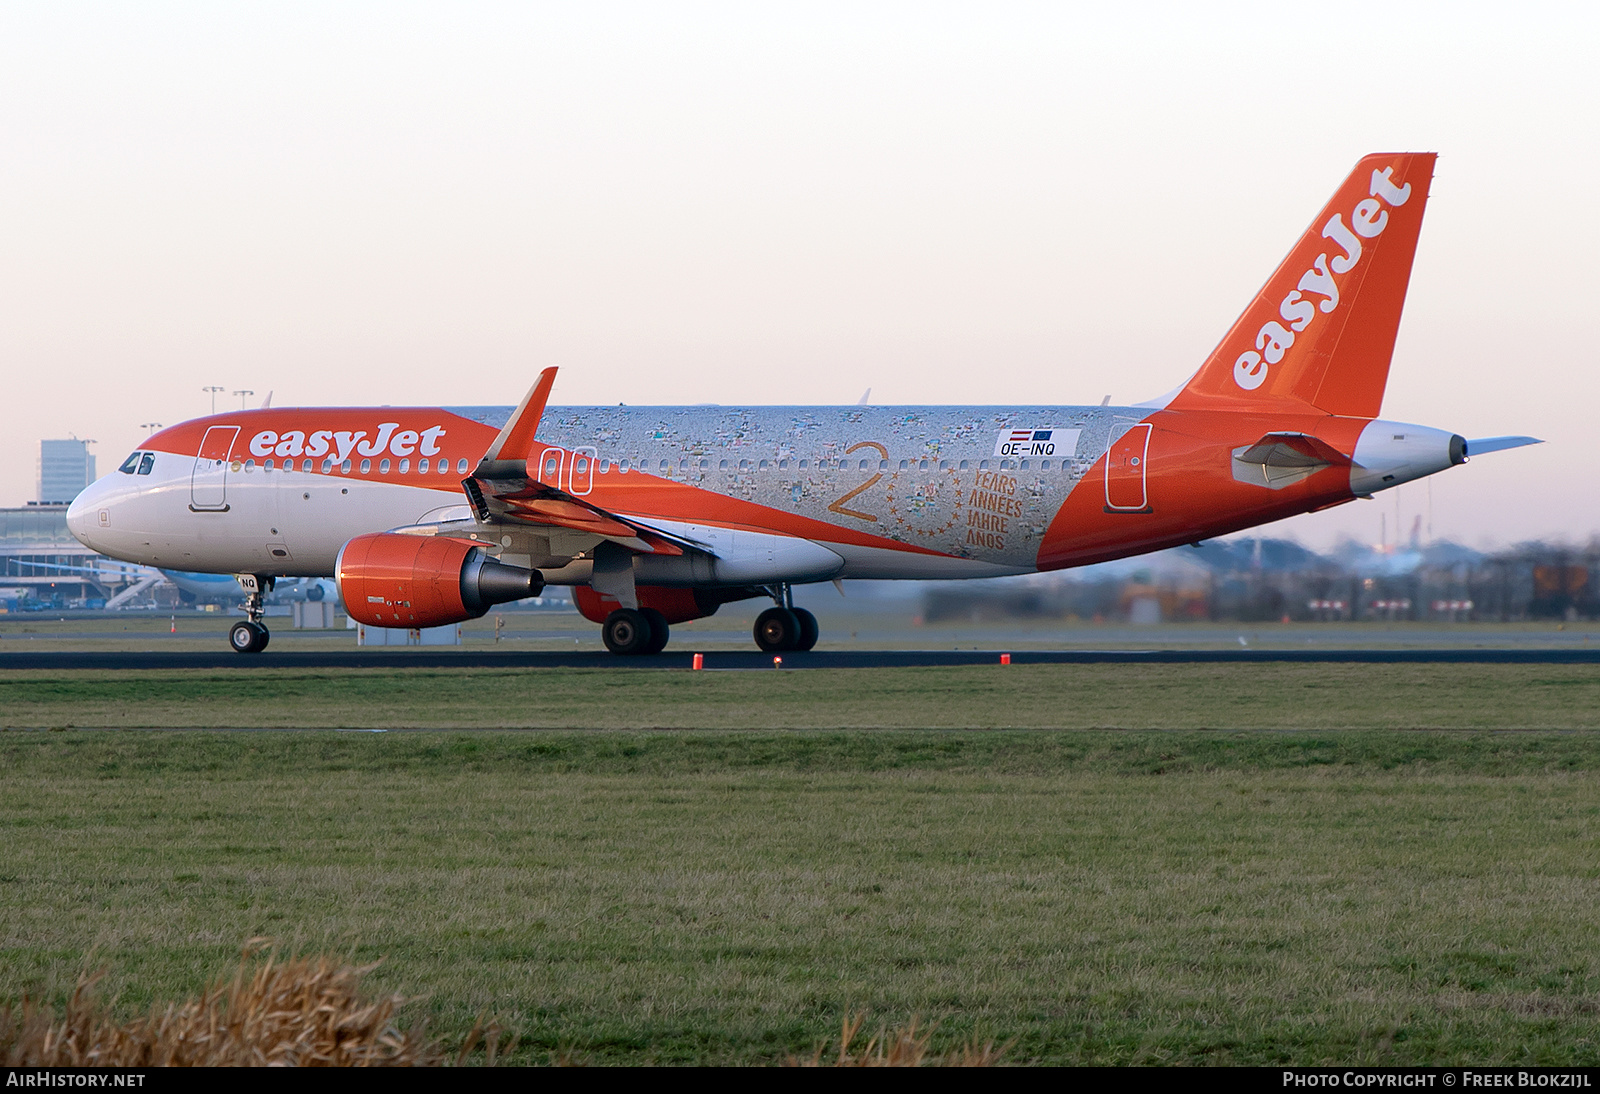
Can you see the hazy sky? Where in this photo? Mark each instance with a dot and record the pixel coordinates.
(757, 203)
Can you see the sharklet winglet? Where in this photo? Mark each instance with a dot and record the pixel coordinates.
(515, 441)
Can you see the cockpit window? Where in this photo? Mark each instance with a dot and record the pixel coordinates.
(147, 463)
(130, 463)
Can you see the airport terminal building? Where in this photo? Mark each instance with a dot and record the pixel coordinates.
(42, 566)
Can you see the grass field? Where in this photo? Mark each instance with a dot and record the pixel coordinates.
(1262, 696)
(1252, 864)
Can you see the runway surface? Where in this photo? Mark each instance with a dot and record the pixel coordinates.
(754, 660)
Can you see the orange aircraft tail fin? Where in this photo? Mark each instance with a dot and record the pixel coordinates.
(1321, 332)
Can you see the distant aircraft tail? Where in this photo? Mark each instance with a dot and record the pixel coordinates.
(1321, 332)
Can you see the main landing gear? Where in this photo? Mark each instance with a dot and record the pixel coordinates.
(635, 630)
(785, 627)
(250, 635)
(779, 629)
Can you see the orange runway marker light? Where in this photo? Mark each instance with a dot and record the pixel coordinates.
(174, 624)
(777, 662)
(1005, 659)
(699, 661)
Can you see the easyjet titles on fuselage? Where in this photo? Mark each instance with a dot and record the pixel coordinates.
(391, 439)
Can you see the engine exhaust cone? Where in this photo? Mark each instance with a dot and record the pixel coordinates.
(485, 583)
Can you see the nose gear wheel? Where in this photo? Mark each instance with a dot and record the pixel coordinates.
(247, 636)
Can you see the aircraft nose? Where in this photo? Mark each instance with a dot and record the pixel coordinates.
(88, 512)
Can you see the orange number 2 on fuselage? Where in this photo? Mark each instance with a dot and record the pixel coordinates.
(838, 505)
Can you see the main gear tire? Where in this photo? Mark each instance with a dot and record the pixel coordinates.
(626, 632)
(660, 632)
(809, 631)
(247, 636)
(777, 630)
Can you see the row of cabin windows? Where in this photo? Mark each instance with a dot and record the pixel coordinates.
(665, 466)
(443, 466)
(142, 462)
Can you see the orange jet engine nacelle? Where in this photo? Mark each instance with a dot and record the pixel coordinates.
(391, 580)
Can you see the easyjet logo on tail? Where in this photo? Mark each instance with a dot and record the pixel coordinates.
(1367, 221)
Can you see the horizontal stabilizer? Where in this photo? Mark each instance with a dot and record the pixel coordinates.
(1498, 444)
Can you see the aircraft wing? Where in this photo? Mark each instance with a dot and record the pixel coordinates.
(504, 488)
(521, 499)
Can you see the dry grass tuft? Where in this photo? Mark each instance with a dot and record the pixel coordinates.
(903, 1047)
(302, 1011)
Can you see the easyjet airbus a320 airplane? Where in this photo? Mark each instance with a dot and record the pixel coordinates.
(655, 515)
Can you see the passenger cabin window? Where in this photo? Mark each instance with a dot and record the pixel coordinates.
(383, 467)
(422, 467)
(130, 464)
(405, 467)
(327, 465)
(266, 465)
(146, 463)
(461, 466)
(366, 467)
(305, 465)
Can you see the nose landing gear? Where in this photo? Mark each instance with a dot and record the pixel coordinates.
(250, 635)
